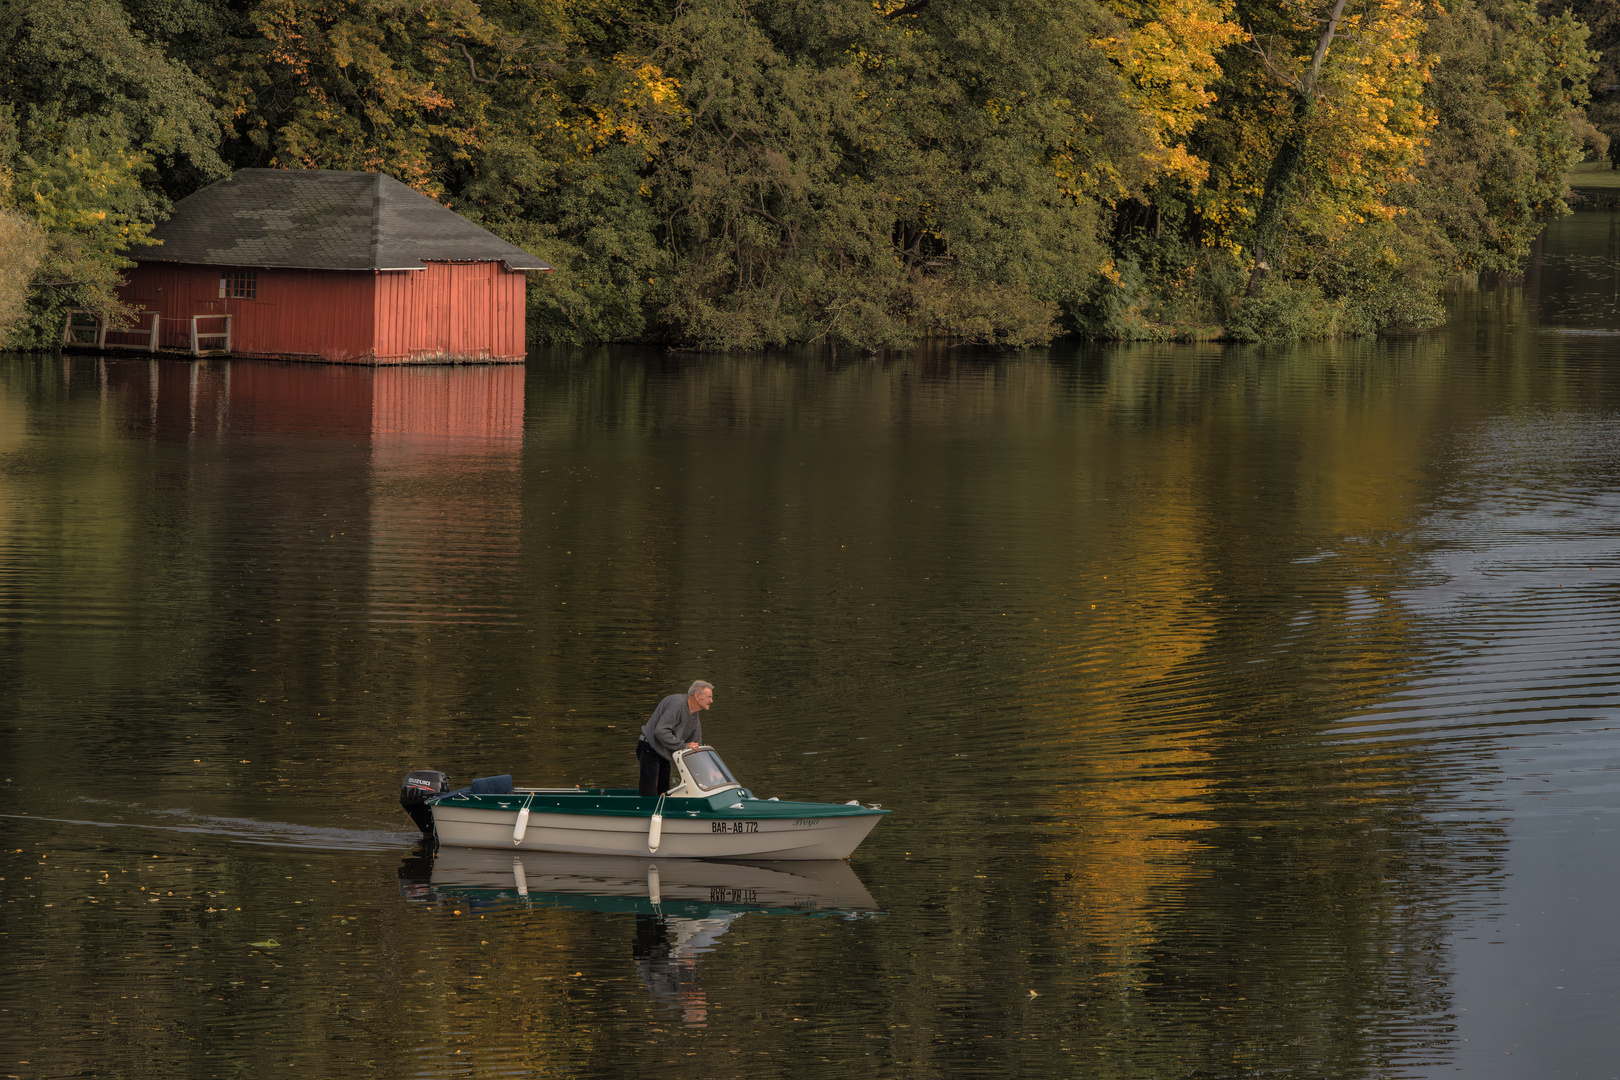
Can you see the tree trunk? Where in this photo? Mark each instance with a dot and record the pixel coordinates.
(1279, 185)
(1285, 165)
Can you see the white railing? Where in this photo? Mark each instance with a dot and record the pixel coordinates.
(71, 330)
(149, 332)
(73, 333)
(198, 336)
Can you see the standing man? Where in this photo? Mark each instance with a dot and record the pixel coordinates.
(673, 726)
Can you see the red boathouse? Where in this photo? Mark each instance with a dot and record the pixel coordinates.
(341, 267)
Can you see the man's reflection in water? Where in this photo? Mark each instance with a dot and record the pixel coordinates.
(667, 951)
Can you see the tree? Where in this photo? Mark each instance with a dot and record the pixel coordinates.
(24, 245)
(95, 120)
(864, 177)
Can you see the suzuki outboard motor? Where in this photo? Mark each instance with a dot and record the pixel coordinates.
(418, 788)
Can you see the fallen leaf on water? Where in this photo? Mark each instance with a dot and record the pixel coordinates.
(271, 944)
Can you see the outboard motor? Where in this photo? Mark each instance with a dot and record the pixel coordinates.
(417, 789)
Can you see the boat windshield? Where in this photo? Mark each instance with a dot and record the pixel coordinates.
(707, 770)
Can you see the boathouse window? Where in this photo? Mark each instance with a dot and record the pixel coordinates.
(239, 284)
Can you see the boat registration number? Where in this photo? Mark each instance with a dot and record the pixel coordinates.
(734, 826)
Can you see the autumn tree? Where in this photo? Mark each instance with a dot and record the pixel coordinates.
(865, 176)
(97, 125)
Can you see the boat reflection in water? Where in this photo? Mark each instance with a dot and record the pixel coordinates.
(681, 906)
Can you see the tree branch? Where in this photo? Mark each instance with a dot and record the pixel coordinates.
(472, 68)
(1254, 46)
(1322, 45)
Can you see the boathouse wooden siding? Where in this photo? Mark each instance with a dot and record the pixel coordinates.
(460, 311)
(347, 268)
(298, 314)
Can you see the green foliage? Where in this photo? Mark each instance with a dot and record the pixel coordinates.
(597, 228)
(1507, 83)
(1284, 310)
(85, 59)
(1165, 285)
(95, 122)
(864, 180)
(1602, 20)
(80, 183)
(24, 245)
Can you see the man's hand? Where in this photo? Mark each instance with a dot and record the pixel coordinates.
(691, 746)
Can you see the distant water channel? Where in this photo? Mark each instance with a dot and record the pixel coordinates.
(1245, 712)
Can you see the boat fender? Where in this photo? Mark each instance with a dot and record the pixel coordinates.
(655, 831)
(522, 825)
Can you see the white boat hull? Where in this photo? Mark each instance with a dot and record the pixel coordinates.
(682, 837)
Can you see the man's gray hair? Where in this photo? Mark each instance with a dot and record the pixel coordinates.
(699, 685)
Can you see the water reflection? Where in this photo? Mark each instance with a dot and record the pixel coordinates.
(669, 888)
(681, 908)
(170, 400)
(1214, 685)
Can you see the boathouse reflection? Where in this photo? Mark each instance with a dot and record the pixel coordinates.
(168, 400)
(414, 475)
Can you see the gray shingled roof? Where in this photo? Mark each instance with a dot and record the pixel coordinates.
(318, 219)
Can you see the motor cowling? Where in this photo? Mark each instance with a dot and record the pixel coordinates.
(415, 791)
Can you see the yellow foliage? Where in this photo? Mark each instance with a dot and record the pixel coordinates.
(649, 91)
(1168, 57)
(1371, 121)
(1364, 133)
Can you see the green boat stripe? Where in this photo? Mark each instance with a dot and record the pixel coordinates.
(595, 804)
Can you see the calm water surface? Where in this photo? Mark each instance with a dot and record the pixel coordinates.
(1244, 712)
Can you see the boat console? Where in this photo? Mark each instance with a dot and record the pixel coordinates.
(703, 774)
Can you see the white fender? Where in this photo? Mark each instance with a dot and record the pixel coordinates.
(519, 877)
(655, 834)
(521, 827)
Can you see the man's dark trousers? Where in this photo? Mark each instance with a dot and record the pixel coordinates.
(654, 770)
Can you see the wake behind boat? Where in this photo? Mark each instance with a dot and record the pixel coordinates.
(708, 815)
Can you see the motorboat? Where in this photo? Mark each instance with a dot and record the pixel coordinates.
(707, 815)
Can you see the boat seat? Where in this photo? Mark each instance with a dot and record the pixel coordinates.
(493, 785)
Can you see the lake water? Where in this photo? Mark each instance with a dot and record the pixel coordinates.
(1244, 712)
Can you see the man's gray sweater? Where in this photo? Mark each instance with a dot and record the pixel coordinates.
(671, 726)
